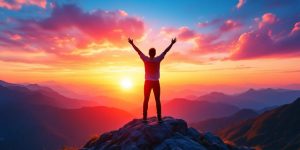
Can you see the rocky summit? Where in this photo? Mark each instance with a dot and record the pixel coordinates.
(171, 134)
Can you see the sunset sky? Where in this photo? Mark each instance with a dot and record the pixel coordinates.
(84, 43)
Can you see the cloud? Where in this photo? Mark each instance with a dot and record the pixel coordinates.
(269, 36)
(296, 28)
(240, 3)
(210, 43)
(69, 35)
(98, 26)
(267, 19)
(214, 22)
(262, 43)
(18, 4)
(206, 43)
(290, 43)
(229, 25)
(70, 24)
(15, 37)
(183, 33)
(253, 44)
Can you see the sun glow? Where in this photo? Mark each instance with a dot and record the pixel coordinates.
(126, 83)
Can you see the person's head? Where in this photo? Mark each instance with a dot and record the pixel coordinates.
(152, 52)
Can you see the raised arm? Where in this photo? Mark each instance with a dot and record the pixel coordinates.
(173, 41)
(135, 48)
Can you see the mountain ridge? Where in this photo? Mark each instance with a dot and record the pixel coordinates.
(203, 109)
(215, 124)
(35, 94)
(35, 121)
(256, 99)
(277, 128)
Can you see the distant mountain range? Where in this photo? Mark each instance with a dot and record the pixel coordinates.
(34, 117)
(218, 105)
(215, 124)
(193, 111)
(102, 100)
(275, 129)
(254, 99)
(40, 95)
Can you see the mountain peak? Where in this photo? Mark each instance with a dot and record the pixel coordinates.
(251, 90)
(170, 134)
(5, 84)
(297, 100)
(1, 81)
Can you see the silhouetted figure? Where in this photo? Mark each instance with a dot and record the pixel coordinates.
(152, 74)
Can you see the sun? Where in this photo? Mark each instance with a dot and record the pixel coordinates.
(126, 83)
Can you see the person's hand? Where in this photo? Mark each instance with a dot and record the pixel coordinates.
(173, 41)
(130, 40)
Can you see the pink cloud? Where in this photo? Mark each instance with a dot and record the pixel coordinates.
(203, 43)
(182, 33)
(229, 25)
(240, 3)
(185, 33)
(213, 22)
(123, 13)
(70, 22)
(15, 37)
(270, 39)
(203, 24)
(267, 19)
(253, 44)
(17, 4)
(168, 31)
(69, 30)
(260, 43)
(98, 26)
(296, 28)
(209, 42)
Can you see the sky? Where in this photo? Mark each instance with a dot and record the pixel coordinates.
(83, 43)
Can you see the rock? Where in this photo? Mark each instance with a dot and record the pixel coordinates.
(179, 142)
(194, 134)
(171, 134)
(213, 142)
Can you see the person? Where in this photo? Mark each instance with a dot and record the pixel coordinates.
(152, 74)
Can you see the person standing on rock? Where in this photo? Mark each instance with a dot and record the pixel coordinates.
(152, 74)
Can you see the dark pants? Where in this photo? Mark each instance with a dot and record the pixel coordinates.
(148, 86)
